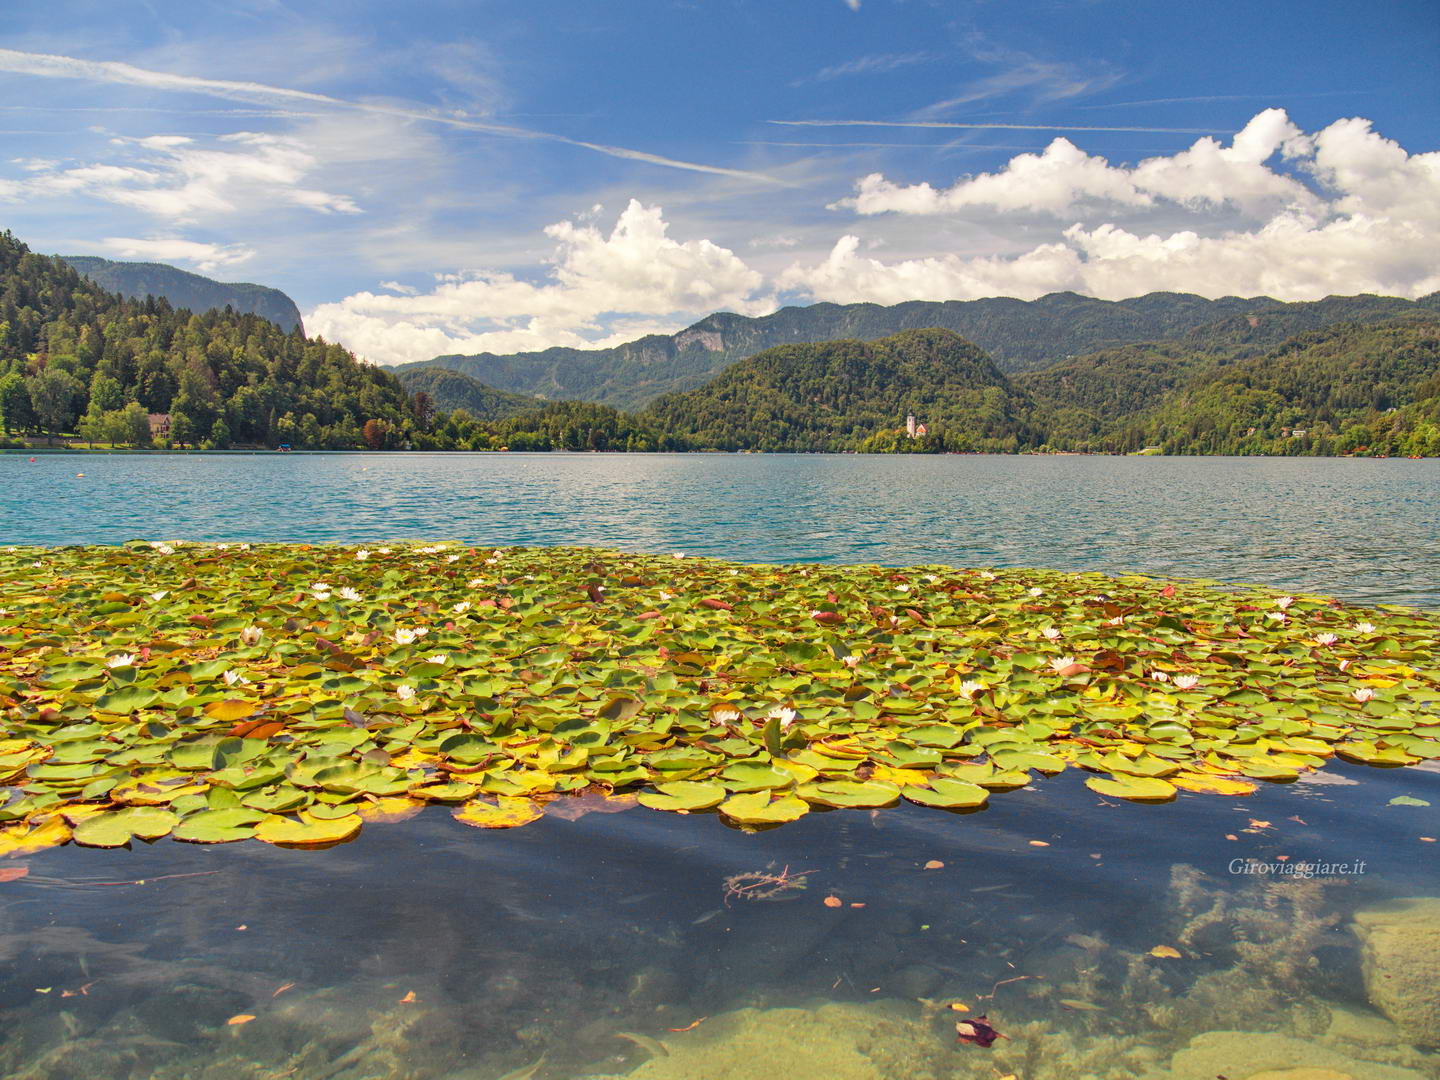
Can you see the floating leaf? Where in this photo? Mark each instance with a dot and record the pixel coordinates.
(118, 827)
(684, 795)
(306, 831)
(842, 793)
(757, 808)
(947, 794)
(1137, 788)
(1211, 785)
(504, 813)
(220, 826)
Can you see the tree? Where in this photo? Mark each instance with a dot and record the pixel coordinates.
(16, 413)
(424, 409)
(54, 396)
(106, 394)
(374, 434)
(220, 434)
(137, 425)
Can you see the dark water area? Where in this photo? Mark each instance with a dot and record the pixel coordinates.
(426, 949)
(1364, 530)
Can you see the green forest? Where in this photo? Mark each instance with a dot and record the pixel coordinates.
(82, 367)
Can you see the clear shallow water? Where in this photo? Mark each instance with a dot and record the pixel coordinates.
(546, 943)
(1360, 529)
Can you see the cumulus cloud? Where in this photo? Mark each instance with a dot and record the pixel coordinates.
(601, 290)
(207, 258)
(1063, 178)
(183, 181)
(1277, 212)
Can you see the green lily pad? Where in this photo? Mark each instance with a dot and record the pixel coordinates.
(117, 828)
(843, 793)
(684, 795)
(757, 808)
(219, 826)
(947, 793)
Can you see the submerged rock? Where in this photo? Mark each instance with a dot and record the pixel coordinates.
(833, 1042)
(1400, 961)
(1253, 1055)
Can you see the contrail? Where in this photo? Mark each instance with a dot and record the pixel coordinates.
(997, 127)
(112, 71)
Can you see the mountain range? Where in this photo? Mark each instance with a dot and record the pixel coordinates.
(1019, 336)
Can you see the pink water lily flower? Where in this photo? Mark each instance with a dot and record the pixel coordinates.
(1284, 602)
(1363, 694)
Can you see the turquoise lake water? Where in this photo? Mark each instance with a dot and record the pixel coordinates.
(1360, 529)
(634, 943)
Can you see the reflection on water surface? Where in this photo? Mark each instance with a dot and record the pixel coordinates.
(1099, 940)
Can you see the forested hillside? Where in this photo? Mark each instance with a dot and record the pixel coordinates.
(75, 359)
(183, 289)
(853, 395)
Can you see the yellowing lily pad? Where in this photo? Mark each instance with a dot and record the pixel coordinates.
(1136, 788)
(948, 794)
(687, 795)
(307, 831)
(505, 812)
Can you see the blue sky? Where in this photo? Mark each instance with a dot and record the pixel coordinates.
(487, 174)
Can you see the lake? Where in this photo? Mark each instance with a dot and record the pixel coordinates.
(1291, 934)
(1361, 529)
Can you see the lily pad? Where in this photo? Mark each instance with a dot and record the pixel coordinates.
(684, 795)
(118, 827)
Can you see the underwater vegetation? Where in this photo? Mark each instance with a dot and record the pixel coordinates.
(289, 693)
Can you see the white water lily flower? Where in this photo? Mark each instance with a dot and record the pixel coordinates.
(970, 688)
(251, 635)
(244, 547)
(666, 596)
(1363, 694)
(1159, 676)
(438, 658)
(1037, 592)
(1118, 620)
(321, 596)
(1060, 663)
(902, 588)
(1051, 634)
(362, 554)
(1325, 639)
(987, 575)
(222, 547)
(733, 573)
(784, 714)
(122, 660)
(1284, 602)
(1275, 616)
(234, 678)
(725, 714)
(408, 637)
(382, 551)
(461, 607)
(452, 558)
(1365, 628)
(319, 586)
(347, 593)
(405, 693)
(428, 551)
(1186, 682)
(158, 596)
(852, 661)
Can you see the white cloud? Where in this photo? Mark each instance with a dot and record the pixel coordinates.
(1354, 213)
(207, 258)
(601, 290)
(1063, 177)
(46, 65)
(177, 179)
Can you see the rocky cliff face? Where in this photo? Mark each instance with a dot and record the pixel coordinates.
(186, 290)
